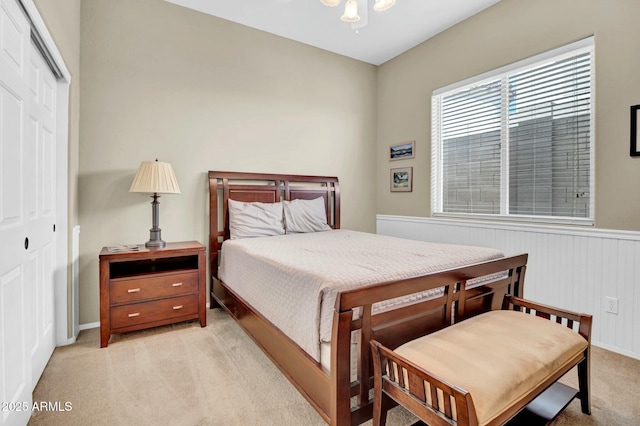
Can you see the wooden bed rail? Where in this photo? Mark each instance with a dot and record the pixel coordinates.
(392, 328)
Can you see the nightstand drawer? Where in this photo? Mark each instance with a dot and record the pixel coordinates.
(153, 287)
(140, 313)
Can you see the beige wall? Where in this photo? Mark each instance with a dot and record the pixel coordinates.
(203, 93)
(507, 32)
(161, 81)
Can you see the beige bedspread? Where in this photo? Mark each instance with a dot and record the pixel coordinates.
(293, 279)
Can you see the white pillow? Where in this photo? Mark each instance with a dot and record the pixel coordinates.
(305, 216)
(247, 220)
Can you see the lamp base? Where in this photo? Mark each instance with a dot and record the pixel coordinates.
(155, 240)
(155, 243)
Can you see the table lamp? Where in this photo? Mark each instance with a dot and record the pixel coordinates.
(155, 178)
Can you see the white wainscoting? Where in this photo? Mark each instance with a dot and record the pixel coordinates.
(570, 267)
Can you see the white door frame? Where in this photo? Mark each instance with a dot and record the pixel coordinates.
(65, 333)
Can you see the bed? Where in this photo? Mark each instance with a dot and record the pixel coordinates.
(399, 302)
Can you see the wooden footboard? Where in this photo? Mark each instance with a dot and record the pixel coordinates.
(406, 323)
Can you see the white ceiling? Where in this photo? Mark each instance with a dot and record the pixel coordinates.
(385, 35)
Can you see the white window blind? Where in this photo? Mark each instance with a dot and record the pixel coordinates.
(517, 142)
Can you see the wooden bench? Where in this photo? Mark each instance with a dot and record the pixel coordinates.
(486, 369)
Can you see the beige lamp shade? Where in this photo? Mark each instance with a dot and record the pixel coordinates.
(155, 177)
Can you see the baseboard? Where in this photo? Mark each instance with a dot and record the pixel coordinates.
(70, 341)
(617, 350)
(89, 325)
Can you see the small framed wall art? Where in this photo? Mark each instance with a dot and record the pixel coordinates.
(402, 151)
(402, 179)
(635, 131)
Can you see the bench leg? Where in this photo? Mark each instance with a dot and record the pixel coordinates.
(584, 382)
(381, 404)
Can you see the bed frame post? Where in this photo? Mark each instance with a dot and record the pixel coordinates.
(364, 356)
(214, 244)
(340, 414)
(336, 203)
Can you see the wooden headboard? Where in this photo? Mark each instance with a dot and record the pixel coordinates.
(265, 188)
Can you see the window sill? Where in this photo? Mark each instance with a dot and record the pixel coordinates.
(520, 219)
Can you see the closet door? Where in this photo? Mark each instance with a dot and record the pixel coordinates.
(39, 172)
(16, 263)
(27, 214)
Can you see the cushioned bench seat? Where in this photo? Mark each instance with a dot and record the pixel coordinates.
(498, 357)
(486, 369)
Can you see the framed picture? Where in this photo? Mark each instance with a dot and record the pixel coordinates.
(402, 151)
(402, 179)
(635, 131)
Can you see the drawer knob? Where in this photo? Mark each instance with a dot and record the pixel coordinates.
(133, 290)
(177, 284)
(175, 308)
(135, 314)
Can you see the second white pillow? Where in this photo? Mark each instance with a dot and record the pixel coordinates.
(305, 216)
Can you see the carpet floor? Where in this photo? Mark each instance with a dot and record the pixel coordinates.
(187, 375)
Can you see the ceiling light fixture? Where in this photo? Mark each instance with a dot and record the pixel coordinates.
(381, 5)
(350, 12)
(351, 8)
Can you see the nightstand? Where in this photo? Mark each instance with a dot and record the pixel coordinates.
(151, 287)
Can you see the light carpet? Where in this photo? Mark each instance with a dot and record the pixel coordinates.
(187, 375)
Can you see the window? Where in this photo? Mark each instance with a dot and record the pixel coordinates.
(517, 142)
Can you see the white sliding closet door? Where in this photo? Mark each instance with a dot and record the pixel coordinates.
(39, 162)
(27, 213)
